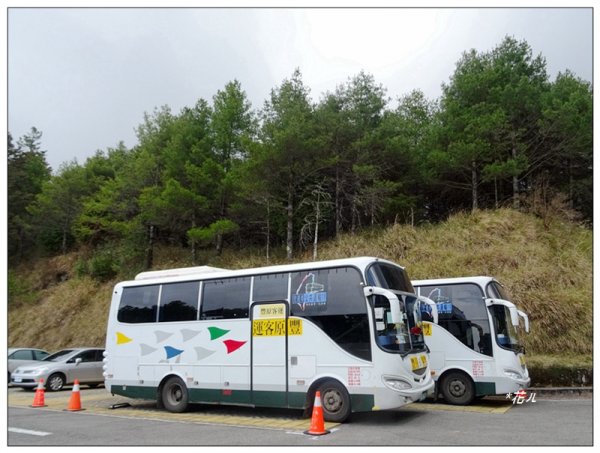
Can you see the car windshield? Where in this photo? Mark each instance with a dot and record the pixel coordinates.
(58, 356)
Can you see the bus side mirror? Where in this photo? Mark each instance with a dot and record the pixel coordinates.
(512, 309)
(523, 315)
(395, 312)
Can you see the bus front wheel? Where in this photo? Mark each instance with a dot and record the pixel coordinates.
(457, 388)
(335, 401)
(174, 395)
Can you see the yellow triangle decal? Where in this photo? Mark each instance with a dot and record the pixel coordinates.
(122, 339)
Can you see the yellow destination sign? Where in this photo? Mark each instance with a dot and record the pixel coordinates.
(275, 327)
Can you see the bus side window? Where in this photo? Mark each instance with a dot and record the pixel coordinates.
(270, 287)
(179, 302)
(138, 304)
(225, 299)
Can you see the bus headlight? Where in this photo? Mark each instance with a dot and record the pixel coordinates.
(513, 374)
(396, 383)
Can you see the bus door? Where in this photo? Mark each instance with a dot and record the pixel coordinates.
(269, 371)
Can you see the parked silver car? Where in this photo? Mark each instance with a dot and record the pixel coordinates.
(23, 356)
(61, 368)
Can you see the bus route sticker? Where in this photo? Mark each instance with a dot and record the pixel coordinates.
(275, 327)
(478, 369)
(353, 375)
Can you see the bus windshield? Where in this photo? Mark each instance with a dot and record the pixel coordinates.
(403, 337)
(506, 334)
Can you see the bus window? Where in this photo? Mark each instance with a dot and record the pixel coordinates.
(389, 277)
(333, 299)
(225, 299)
(462, 312)
(138, 304)
(390, 336)
(496, 291)
(270, 287)
(179, 302)
(408, 335)
(506, 334)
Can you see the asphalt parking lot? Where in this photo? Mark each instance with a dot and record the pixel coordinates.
(495, 421)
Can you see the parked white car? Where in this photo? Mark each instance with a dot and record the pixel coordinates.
(62, 368)
(23, 356)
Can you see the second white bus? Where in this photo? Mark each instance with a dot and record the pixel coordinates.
(270, 337)
(475, 348)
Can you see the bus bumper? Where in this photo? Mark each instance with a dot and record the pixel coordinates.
(392, 397)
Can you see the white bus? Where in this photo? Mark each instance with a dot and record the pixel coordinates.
(475, 347)
(270, 337)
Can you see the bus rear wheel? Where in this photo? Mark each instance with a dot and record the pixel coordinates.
(335, 401)
(174, 395)
(457, 388)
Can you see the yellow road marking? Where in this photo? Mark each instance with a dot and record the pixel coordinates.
(100, 404)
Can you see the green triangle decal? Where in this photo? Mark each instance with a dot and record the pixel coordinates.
(215, 332)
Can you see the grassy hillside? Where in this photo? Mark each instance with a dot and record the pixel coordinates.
(546, 265)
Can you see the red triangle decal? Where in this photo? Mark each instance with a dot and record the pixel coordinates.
(233, 345)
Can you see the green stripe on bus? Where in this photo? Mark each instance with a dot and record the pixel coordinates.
(485, 388)
(296, 400)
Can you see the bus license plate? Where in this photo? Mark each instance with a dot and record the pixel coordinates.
(414, 362)
(522, 360)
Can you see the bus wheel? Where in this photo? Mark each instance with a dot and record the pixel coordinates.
(174, 395)
(335, 401)
(457, 388)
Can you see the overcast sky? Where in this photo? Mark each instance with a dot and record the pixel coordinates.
(85, 77)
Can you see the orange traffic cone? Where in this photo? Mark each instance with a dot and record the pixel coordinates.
(75, 401)
(317, 423)
(38, 399)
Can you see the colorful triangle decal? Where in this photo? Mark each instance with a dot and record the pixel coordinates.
(172, 352)
(122, 339)
(233, 345)
(216, 332)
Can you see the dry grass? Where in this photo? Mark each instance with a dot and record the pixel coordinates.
(546, 265)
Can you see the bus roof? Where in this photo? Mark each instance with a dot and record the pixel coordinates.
(479, 280)
(202, 272)
(177, 272)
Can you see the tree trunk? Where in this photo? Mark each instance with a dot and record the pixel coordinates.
(338, 203)
(571, 201)
(496, 192)
(268, 227)
(316, 241)
(515, 181)
(474, 185)
(149, 261)
(353, 216)
(64, 241)
(194, 249)
(290, 223)
(219, 243)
